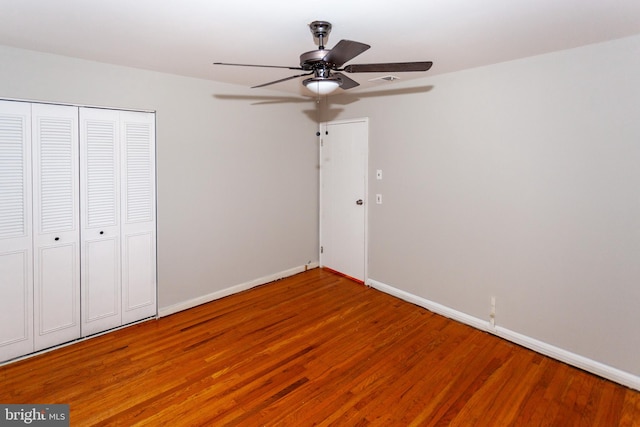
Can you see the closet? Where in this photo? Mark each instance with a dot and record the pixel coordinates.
(77, 223)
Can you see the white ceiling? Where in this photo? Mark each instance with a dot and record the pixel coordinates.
(186, 36)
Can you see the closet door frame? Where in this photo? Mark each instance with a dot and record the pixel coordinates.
(78, 222)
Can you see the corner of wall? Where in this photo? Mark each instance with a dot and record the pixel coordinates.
(175, 308)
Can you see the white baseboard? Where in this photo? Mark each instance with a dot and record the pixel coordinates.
(589, 365)
(166, 311)
(430, 305)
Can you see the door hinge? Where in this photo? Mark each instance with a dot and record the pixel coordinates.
(321, 249)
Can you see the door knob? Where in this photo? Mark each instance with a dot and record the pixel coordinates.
(359, 202)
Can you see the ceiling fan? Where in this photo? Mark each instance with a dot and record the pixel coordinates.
(327, 65)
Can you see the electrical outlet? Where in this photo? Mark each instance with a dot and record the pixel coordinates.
(378, 173)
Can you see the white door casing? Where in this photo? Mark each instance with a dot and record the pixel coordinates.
(343, 201)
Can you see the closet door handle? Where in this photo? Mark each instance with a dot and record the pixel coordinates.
(102, 232)
(56, 239)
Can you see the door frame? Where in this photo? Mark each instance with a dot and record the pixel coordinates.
(321, 131)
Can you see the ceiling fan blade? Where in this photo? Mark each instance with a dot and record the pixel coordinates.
(253, 65)
(344, 51)
(390, 67)
(281, 80)
(347, 82)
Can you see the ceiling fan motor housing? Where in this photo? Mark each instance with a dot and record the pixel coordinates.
(314, 59)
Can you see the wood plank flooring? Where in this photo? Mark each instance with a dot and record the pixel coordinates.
(313, 349)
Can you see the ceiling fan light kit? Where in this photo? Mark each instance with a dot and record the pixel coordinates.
(321, 86)
(325, 64)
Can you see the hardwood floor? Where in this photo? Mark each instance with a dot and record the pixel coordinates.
(313, 349)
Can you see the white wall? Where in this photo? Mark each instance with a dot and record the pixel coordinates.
(237, 181)
(520, 181)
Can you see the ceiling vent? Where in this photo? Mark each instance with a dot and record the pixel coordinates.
(385, 79)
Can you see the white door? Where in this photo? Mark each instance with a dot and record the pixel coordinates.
(16, 240)
(343, 202)
(56, 232)
(138, 215)
(100, 213)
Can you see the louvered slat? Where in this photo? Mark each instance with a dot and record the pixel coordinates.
(56, 188)
(139, 173)
(101, 170)
(12, 177)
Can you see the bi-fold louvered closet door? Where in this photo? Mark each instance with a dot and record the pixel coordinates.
(77, 223)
